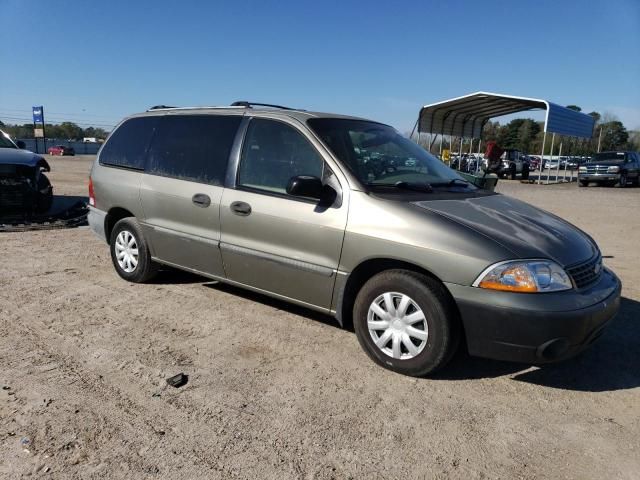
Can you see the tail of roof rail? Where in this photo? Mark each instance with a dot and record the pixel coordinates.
(245, 104)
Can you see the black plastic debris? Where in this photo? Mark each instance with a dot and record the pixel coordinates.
(178, 380)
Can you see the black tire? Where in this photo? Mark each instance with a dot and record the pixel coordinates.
(622, 183)
(439, 310)
(583, 183)
(44, 197)
(145, 269)
(525, 172)
(513, 171)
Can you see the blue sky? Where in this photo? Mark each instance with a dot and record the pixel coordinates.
(95, 62)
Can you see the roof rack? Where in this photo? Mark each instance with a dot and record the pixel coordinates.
(159, 107)
(164, 107)
(242, 103)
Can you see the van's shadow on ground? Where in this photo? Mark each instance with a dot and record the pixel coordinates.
(612, 363)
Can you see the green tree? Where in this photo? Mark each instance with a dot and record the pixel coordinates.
(634, 140)
(527, 133)
(614, 136)
(70, 130)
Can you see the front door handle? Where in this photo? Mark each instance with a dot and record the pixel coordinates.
(201, 200)
(241, 208)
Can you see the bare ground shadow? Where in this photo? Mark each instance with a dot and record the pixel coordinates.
(275, 303)
(612, 363)
(174, 276)
(61, 207)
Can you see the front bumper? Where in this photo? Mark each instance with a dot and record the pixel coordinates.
(599, 177)
(536, 328)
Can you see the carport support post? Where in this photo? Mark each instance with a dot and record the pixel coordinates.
(544, 140)
(478, 161)
(441, 138)
(553, 138)
(566, 164)
(558, 167)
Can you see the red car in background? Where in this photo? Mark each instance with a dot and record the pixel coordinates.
(61, 150)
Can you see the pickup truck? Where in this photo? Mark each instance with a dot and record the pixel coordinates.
(611, 168)
(514, 163)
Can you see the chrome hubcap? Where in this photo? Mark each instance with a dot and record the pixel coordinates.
(397, 325)
(126, 251)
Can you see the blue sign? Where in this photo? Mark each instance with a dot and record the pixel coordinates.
(38, 114)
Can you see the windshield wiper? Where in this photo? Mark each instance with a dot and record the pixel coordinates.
(451, 183)
(418, 187)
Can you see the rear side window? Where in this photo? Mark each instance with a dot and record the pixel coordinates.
(193, 147)
(128, 145)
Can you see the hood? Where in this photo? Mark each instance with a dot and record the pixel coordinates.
(605, 163)
(525, 230)
(14, 156)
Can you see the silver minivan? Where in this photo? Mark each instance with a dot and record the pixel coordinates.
(346, 216)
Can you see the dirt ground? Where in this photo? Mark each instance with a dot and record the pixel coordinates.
(277, 391)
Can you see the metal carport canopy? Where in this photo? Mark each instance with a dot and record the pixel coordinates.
(466, 116)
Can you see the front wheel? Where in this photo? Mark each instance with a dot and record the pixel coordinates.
(130, 253)
(623, 180)
(406, 322)
(582, 183)
(44, 196)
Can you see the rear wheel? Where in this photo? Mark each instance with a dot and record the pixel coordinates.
(130, 253)
(406, 322)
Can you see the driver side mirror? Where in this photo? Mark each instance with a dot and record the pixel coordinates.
(21, 145)
(305, 186)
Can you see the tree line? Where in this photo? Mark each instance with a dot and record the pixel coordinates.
(64, 130)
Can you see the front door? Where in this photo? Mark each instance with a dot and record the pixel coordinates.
(182, 188)
(273, 241)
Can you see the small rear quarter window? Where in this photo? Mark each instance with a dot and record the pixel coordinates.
(127, 146)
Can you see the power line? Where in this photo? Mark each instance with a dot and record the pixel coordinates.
(22, 110)
(56, 120)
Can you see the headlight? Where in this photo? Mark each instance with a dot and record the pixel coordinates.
(525, 276)
(613, 169)
(582, 169)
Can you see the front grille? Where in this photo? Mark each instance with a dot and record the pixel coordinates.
(15, 194)
(597, 169)
(587, 273)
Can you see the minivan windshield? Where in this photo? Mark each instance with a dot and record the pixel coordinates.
(379, 156)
